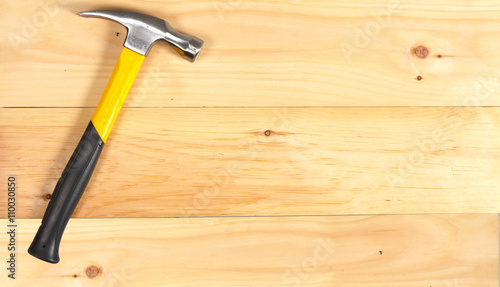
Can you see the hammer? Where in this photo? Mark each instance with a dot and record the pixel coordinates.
(143, 31)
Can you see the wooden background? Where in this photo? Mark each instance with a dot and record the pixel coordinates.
(313, 143)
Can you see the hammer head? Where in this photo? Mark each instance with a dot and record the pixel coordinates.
(145, 30)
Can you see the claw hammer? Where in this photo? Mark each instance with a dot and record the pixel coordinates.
(143, 31)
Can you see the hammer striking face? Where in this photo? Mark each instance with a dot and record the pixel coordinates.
(143, 31)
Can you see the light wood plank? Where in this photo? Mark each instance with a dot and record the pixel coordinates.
(413, 250)
(193, 162)
(259, 53)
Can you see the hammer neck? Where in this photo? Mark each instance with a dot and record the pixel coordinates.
(116, 91)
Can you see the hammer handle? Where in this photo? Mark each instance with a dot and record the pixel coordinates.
(67, 193)
(76, 175)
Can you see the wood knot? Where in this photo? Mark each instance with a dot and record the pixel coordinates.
(421, 51)
(267, 133)
(419, 78)
(48, 196)
(92, 271)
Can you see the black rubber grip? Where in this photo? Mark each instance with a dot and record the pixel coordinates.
(67, 193)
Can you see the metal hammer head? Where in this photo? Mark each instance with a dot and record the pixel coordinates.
(144, 30)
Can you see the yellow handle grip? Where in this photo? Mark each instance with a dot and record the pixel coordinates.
(116, 91)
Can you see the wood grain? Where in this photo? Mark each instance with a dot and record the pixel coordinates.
(259, 53)
(306, 143)
(219, 161)
(411, 250)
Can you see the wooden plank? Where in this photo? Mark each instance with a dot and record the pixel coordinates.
(219, 161)
(259, 53)
(411, 250)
